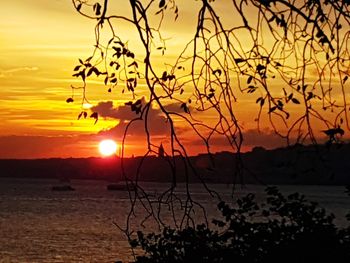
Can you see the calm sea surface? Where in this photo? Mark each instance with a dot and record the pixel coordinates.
(40, 225)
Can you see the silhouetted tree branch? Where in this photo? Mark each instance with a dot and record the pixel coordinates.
(289, 59)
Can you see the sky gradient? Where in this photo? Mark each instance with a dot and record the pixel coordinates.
(40, 43)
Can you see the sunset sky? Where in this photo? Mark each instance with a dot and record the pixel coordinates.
(40, 43)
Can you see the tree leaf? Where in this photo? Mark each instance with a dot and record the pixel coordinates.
(95, 116)
(272, 109)
(164, 76)
(133, 64)
(260, 67)
(239, 60)
(249, 80)
(97, 9)
(278, 64)
(217, 71)
(295, 101)
(185, 108)
(79, 6)
(262, 101)
(96, 71)
(90, 72)
(161, 3)
(310, 96)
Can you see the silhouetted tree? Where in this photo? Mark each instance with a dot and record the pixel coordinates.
(281, 229)
(289, 58)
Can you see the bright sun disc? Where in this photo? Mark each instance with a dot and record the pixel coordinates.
(107, 147)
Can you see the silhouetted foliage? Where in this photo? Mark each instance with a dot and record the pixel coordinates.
(300, 45)
(333, 133)
(289, 59)
(282, 229)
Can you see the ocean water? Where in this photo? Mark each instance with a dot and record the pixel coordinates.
(40, 225)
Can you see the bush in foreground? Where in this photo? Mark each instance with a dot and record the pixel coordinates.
(284, 228)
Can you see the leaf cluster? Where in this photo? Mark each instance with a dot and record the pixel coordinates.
(284, 228)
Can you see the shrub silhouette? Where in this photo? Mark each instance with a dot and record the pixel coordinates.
(285, 229)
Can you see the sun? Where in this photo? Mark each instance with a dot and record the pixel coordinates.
(108, 147)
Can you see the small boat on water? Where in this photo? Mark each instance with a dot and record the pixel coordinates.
(120, 187)
(64, 185)
(62, 188)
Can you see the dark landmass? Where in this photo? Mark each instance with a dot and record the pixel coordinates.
(314, 164)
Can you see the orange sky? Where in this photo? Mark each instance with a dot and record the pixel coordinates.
(40, 43)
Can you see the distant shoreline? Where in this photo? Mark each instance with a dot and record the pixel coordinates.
(299, 165)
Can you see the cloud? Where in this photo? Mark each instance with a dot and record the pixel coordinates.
(107, 110)
(156, 126)
(12, 70)
(8, 72)
(157, 123)
(265, 138)
(47, 146)
(176, 107)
